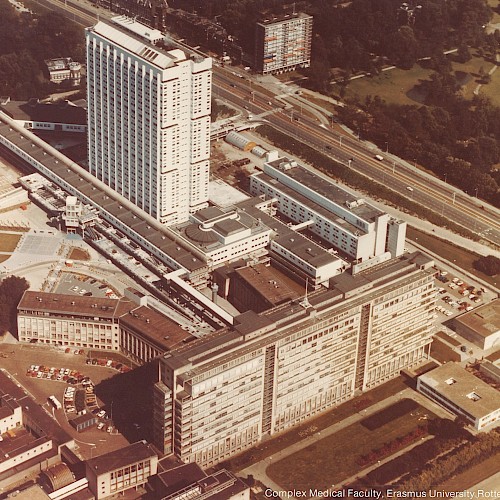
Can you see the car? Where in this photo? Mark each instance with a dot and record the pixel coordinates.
(110, 429)
(100, 426)
(1, 438)
(232, 85)
(75, 289)
(409, 188)
(444, 273)
(101, 414)
(463, 348)
(379, 157)
(93, 281)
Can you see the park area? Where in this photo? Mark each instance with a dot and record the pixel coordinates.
(398, 86)
(347, 452)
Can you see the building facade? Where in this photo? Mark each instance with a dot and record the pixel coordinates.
(64, 320)
(121, 470)
(273, 370)
(462, 394)
(149, 119)
(283, 43)
(97, 323)
(353, 226)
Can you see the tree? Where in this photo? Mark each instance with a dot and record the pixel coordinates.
(463, 53)
(489, 265)
(11, 291)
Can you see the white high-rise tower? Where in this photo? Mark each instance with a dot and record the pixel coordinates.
(148, 119)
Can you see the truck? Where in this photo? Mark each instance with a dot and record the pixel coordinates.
(55, 402)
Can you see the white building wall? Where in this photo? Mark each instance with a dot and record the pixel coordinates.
(12, 421)
(70, 331)
(15, 460)
(149, 123)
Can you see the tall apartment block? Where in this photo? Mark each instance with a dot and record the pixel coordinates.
(272, 370)
(283, 43)
(148, 118)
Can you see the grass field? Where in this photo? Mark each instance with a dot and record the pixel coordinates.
(335, 457)
(281, 441)
(9, 241)
(78, 254)
(398, 86)
(392, 85)
(459, 256)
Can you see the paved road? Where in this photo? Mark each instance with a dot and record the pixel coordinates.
(427, 190)
(16, 358)
(430, 192)
(489, 488)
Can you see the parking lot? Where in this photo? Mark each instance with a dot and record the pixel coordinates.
(79, 284)
(456, 296)
(57, 364)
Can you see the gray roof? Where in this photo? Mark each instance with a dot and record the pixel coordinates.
(456, 384)
(104, 197)
(122, 457)
(303, 247)
(329, 190)
(44, 112)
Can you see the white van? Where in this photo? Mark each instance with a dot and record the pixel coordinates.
(379, 158)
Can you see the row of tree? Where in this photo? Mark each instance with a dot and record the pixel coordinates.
(355, 35)
(458, 139)
(26, 42)
(437, 471)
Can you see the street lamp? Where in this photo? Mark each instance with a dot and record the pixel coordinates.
(340, 140)
(445, 176)
(386, 147)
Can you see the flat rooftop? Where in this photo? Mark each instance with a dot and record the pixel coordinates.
(288, 238)
(267, 19)
(122, 457)
(329, 190)
(139, 40)
(156, 327)
(484, 320)
(45, 112)
(102, 196)
(269, 282)
(72, 304)
(461, 388)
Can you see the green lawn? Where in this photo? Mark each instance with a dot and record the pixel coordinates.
(9, 241)
(334, 457)
(392, 85)
(397, 86)
(492, 90)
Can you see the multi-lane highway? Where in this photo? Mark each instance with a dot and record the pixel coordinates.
(422, 188)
